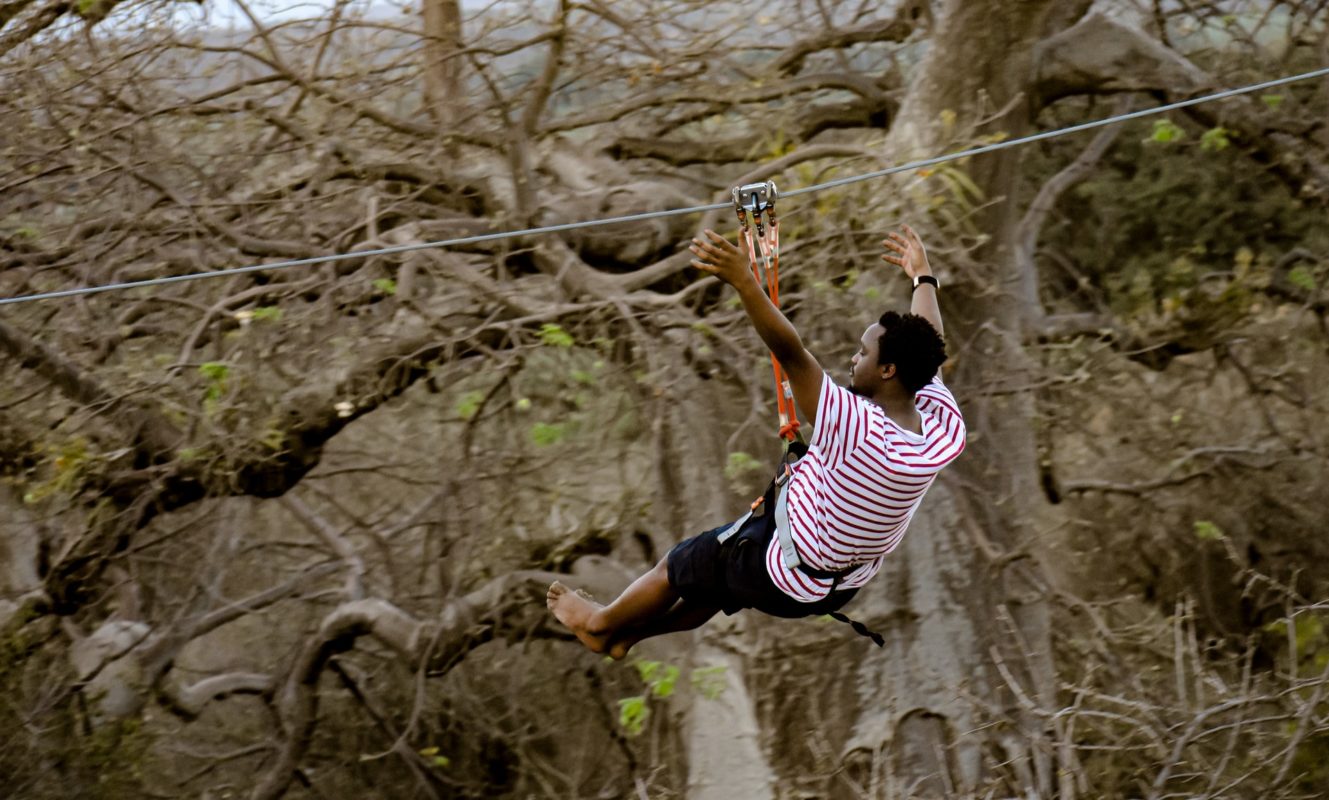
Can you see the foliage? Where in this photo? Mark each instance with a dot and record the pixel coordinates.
(1166, 131)
(72, 754)
(1215, 139)
(661, 680)
(554, 335)
(1203, 264)
(709, 681)
(633, 713)
(545, 434)
(468, 405)
(267, 314)
(741, 468)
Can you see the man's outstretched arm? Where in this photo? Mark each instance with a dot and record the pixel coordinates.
(716, 255)
(909, 255)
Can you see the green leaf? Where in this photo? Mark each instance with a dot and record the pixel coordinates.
(469, 404)
(429, 751)
(1273, 101)
(1165, 131)
(214, 371)
(646, 669)
(710, 681)
(632, 714)
(267, 313)
(1207, 531)
(385, 285)
(441, 761)
(663, 686)
(960, 184)
(548, 433)
(1302, 278)
(554, 335)
(273, 439)
(739, 464)
(1309, 631)
(1215, 139)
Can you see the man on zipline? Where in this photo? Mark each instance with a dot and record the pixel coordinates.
(875, 450)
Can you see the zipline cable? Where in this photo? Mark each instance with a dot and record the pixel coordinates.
(1038, 137)
(568, 226)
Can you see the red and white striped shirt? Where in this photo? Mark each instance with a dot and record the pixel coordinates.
(852, 496)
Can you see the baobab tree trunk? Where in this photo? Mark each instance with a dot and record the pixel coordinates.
(967, 597)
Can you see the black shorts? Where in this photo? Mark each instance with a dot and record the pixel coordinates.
(732, 576)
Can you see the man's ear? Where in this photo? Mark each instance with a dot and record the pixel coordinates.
(887, 371)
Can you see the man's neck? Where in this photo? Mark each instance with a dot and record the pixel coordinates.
(901, 409)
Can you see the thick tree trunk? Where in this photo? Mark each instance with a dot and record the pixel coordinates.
(963, 604)
(966, 599)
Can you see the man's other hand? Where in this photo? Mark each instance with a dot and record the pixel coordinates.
(721, 258)
(907, 253)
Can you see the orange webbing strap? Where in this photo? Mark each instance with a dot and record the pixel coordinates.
(767, 242)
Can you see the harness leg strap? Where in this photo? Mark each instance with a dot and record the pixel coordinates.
(729, 532)
(788, 553)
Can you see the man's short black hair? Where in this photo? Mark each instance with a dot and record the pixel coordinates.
(915, 348)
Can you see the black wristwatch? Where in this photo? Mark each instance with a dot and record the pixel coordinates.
(919, 280)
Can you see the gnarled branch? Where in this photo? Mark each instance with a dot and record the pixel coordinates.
(509, 604)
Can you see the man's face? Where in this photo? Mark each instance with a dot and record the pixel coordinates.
(865, 375)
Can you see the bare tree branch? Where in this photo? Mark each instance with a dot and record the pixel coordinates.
(512, 603)
(896, 29)
(320, 527)
(1031, 225)
(1099, 55)
(189, 701)
(156, 435)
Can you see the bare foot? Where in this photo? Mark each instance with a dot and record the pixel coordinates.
(620, 644)
(618, 648)
(575, 611)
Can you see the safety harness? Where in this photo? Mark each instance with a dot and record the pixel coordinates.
(756, 201)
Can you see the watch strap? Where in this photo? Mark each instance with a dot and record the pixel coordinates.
(919, 280)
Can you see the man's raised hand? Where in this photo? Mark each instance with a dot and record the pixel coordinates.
(721, 258)
(907, 252)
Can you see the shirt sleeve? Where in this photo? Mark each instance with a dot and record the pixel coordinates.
(936, 401)
(841, 424)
